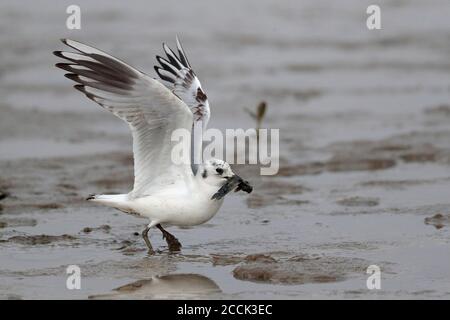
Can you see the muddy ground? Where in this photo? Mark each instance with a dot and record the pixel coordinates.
(364, 175)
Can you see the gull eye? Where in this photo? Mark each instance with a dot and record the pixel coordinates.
(219, 170)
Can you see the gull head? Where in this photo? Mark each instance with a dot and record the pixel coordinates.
(218, 173)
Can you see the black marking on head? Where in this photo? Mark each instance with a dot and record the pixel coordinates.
(204, 174)
(219, 170)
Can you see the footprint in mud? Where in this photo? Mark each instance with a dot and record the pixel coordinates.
(438, 220)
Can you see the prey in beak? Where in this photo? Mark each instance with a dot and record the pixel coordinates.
(235, 183)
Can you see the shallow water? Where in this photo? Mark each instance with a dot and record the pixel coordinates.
(364, 119)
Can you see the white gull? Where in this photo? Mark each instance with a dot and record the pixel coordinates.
(167, 193)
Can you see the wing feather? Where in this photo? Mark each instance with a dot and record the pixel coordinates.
(182, 80)
(150, 109)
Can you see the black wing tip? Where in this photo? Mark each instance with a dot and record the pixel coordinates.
(72, 76)
(80, 88)
(163, 77)
(159, 58)
(165, 61)
(175, 60)
(157, 68)
(165, 65)
(59, 54)
(90, 197)
(166, 48)
(182, 54)
(64, 66)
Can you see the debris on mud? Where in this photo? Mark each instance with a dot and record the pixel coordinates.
(438, 220)
(105, 228)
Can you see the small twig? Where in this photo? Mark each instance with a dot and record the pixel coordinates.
(258, 116)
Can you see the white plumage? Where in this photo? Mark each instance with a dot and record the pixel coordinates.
(165, 192)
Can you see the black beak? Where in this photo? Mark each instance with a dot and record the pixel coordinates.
(232, 183)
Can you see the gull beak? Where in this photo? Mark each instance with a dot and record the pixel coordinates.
(235, 183)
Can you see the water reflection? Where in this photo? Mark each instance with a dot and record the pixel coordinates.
(173, 286)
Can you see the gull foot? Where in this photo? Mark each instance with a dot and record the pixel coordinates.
(173, 243)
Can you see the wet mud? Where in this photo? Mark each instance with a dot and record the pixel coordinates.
(300, 269)
(364, 157)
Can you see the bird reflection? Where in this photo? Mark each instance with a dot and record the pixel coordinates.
(173, 286)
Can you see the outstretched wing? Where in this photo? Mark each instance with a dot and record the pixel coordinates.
(150, 109)
(182, 80)
(180, 77)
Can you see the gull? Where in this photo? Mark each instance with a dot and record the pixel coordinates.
(165, 192)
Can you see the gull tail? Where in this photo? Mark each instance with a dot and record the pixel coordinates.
(118, 201)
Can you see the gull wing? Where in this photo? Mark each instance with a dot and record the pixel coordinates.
(184, 83)
(150, 109)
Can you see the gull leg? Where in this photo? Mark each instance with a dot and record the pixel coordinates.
(147, 241)
(172, 242)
